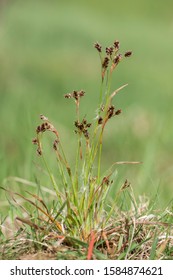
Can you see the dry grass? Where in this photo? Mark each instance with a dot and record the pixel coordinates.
(135, 234)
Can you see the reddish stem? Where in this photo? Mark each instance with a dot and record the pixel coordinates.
(91, 246)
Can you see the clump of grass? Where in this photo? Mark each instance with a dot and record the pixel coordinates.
(82, 223)
(83, 189)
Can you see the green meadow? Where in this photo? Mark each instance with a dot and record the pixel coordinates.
(46, 51)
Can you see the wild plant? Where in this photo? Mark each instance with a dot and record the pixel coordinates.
(81, 216)
(83, 190)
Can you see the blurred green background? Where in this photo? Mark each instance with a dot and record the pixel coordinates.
(46, 50)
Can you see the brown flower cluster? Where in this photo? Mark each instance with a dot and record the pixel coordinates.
(112, 57)
(45, 126)
(98, 47)
(82, 128)
(111, 112)
(75, 94)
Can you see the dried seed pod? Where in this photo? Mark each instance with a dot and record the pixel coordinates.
(35, 141)
(86, 134)
(76, 123)
(128, 54)
(105, 63)
(75, 95)
(118, 112)
(98, 47)
(109, 51)
(68, 95)
(81, 93)
(110, 111)
(117, 45)
(125, 185)
(39, 151)
(117, 59)
(55, 144)
(105, 181)
(88, 125)
(38, 129)
(43, 128)
(84, 121)
(100, 120)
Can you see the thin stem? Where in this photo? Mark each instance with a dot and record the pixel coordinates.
(52, 179)
(77, 164)
(66, 162)
(99, 159)
(101, 96)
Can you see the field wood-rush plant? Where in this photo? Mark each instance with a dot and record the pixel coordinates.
(83, 191)
(83, 216)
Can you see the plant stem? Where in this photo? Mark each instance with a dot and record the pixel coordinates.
(59, 195)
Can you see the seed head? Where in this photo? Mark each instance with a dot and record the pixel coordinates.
(125, 185)
(68, 95)
(86, 134)
(98, 47)
(100, 120)
(35, 141)
(39, 152)
(42, 117)
(38, 129)
(128, 54)
(118, 112)
(117, 59)
(109, 50)
(55, 144)
(43, 127)
(117, 45)
(81, 93)
(105, 63)
(110, 111)
(82, 127)
(105, 181)
(75, 94)
(88, 125)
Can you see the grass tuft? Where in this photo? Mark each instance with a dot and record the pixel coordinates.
(79, 221)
